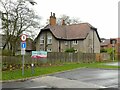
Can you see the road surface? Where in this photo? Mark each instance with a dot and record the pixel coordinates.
(102, 77)
(78, 78)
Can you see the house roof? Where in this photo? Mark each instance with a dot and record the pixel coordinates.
(70, 32)
(105, 42)
(118, 39)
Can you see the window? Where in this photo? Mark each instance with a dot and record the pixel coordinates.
(75, 42)
(49, 40)
(76, 51)
(66, 43)
(41, 39)
(49, 50)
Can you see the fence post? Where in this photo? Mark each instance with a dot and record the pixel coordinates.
(71, 57)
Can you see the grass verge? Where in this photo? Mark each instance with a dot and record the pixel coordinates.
(17, 74)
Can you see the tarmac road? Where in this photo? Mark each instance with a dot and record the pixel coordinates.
(106, 78)
(78, 78)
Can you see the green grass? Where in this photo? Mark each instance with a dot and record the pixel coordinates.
(17, 74)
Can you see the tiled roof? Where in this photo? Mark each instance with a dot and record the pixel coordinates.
(105, 42)
(74, 31)
(118, 39)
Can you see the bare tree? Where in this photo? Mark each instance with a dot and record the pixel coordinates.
(32, 2)
(17, 18)
(68, 20)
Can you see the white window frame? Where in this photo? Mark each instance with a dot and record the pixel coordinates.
(42, 39)
(49, 50)
(75, 42)
(49, 40)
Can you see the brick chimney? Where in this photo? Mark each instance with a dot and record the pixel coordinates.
(63, 22)
(52, 19)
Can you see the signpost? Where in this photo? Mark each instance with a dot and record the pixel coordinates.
(37, 55)
(23, 47)
(23, 37)
(113, 42)
(23, 44)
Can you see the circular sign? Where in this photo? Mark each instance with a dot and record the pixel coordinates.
(23, 37)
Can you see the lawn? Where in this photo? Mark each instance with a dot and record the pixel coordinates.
(38, 71)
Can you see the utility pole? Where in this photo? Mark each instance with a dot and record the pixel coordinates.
(113, 42)
(113, 51)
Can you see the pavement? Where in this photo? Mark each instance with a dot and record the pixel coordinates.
(114, 63)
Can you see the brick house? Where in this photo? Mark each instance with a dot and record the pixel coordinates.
(106, 43)
(57, 38)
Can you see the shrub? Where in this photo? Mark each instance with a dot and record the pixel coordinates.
(103, 50)
(72, 50)
(6, 53)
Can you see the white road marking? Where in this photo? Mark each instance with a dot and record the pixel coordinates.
(39, 87)
(113, 86)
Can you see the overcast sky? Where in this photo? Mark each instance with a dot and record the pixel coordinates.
(102, 14)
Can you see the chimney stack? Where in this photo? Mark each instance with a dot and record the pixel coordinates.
(63, 22)
(52, 19)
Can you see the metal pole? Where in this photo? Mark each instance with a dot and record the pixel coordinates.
(23, 66)
(32, 65)
(113, 51)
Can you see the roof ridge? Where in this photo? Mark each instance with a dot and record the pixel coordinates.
(69, 25)
(78, 24)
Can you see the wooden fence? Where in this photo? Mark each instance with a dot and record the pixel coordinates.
(15, 62)
(57, 57)
(70, 57)
(54, 57)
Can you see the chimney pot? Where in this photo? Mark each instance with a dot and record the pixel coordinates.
(54, 15)
(51, 13)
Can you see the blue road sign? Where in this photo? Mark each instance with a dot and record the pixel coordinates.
(23, 44)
